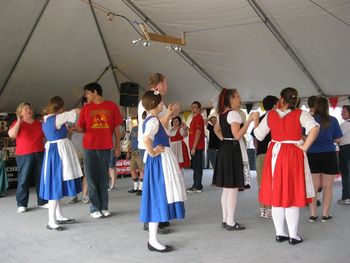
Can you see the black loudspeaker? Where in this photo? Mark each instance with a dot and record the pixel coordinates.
(129, 94)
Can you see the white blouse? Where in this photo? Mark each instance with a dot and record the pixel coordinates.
(151, 129)
(234, 116)
(345, 128)
(64, 117)
(140, 110)
(306, 121)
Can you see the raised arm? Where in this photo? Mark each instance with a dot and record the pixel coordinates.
(13, 131)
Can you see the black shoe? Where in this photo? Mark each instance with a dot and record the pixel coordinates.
(313, 219)
(327, 218)
(164, 224)
(318, 203)
(139, 192)
(68, 221)
(166, 249)
(236, 226)
(293, 241)
(132, 191)
(280, 239)
(223, 225)
(163, 231)
(60, 228)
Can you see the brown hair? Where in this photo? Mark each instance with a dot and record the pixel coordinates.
(290, 97)
(21, 106)
(347, 108)
(224, 99)
(155, 79)
(150, 101)
(322, 109)
(55, 103)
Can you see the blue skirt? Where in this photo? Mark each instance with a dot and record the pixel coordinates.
(52, 186)
(154, 205)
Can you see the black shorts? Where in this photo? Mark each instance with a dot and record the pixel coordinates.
(326, 162)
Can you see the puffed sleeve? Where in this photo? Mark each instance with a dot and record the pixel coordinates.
(67, 116)
(307, 121)
(234, 116)
(262, 130)
(152, 126)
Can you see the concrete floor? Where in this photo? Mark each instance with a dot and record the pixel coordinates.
(198, 238)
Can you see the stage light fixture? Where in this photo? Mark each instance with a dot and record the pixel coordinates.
(136, 42)
(110, 16)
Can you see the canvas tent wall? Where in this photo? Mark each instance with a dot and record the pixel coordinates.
(53, 47)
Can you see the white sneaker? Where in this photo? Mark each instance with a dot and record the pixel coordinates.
(112, 188)
(106, 213)
(22, 209)
(344, 201)
(85, 199)
(96, 215)
(44, 206)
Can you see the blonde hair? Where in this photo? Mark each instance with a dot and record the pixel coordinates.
(55, 103)
(21, 106)
(155, 79)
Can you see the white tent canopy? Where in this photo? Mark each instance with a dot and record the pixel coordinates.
(54, 47)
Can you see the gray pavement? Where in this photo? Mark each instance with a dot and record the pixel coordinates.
(198, 238)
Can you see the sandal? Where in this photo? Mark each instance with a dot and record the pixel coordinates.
(236, 226)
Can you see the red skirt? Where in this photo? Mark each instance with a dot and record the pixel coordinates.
(186, 157)
(286, 187)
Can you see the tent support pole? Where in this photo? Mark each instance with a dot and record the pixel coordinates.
(183, 54)
(111, 65)
(24, 47)
(268, 23)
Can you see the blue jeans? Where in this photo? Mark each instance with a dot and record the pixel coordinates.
(96, 165)
(29, 168)
(197, 166)
(344, 165)
(212, 157)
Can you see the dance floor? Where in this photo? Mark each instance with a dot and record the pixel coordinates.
(197, 238)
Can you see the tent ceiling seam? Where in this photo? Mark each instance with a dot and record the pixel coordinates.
(184, 55)
(111, 65)
(24, 47)
(275, 32)
(330, 13)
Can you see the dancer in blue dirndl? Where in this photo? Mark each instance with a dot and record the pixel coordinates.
(61, 172)
(163, 192)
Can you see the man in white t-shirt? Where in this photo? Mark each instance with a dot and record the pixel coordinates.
(157, 82)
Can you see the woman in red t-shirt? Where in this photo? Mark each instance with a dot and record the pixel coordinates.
(29, 154)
